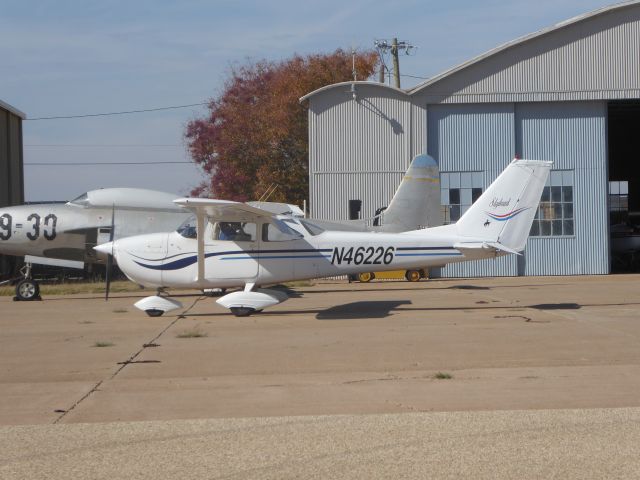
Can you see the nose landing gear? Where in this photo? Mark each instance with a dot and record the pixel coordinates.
(27, 289)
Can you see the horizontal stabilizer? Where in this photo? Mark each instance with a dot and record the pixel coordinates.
(498, 247)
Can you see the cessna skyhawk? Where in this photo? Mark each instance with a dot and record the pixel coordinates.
(69, 231)
(237, 245)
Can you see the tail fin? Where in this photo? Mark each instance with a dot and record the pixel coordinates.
(416, 203)
(504, 212)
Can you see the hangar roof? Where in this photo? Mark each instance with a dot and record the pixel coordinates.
(13, 110)
(521, 40)
(356, 83)
(620, 84)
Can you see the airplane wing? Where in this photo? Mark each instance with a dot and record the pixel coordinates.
(222, 210)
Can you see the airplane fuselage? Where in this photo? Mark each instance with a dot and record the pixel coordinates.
(69, 232)
(170, 260)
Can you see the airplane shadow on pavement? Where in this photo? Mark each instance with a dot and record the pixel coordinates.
(375, 309)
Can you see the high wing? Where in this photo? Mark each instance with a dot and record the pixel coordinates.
(223, 210)
(218, 210)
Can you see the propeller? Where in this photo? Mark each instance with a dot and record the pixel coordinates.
(110, 255)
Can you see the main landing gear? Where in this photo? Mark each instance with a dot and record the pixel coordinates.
(27, 289)
(158, 304)
(241, 303)
(248, 301)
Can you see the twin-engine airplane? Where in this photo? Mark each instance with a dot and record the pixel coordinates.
(237, 245)
(51, 232)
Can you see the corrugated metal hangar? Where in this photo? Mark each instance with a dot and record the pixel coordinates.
(11, 166)
(569, 93)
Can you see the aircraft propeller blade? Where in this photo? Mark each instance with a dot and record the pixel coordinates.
(110, 255)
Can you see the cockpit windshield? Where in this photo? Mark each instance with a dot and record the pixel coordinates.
(312, 228)
(188, 228)
(81, 200)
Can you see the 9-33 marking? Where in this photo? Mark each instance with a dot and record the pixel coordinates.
(362, 255)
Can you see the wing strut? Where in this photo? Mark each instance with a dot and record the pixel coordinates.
(200, 215)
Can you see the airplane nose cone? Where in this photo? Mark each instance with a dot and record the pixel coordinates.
(106, 248)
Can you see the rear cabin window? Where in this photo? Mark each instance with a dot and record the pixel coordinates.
(278, 231)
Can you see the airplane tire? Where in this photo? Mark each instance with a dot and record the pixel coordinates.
(219, 293)
(154, 312)
(242, 311)
(366, 277)
(27, 290)
(413, 275)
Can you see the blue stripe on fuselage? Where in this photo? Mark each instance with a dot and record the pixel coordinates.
(185, 262)
(269, 255)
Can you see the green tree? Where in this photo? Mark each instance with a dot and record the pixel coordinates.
(255, 133)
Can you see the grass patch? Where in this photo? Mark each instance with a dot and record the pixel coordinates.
(442, 376)
(299, 283)
(120, 310)
(101, 344)
(76, 287)
(195, 333)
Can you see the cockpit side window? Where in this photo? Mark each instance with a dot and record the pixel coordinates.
(188, 228)
(235, 231)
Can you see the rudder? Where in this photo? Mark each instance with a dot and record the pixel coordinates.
(504, 212)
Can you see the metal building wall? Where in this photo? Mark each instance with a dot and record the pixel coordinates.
(465, 138)
(543, 95)
(359, 148)
(593, 57)
(11, 168)
(573, 135)
(485, 137)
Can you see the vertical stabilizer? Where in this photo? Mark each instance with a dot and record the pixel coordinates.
(504, 212)
(416, 203)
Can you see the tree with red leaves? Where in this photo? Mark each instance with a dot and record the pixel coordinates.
(255, 134)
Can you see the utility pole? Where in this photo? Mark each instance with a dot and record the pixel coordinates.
(383, 46)
(396, 62)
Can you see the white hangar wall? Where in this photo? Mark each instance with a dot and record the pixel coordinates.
(543, 96)
(360, 148)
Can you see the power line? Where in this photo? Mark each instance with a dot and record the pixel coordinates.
(101, 163)
(414, 76)
(173, 107)
(106, 145)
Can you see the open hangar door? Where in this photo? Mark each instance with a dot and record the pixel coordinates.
(624, 184)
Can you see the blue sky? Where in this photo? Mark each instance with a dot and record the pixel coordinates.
(82, 57)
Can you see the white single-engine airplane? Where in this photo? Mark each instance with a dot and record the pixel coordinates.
(69, 231)
(236, 245)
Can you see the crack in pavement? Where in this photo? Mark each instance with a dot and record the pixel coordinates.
(130, 360)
